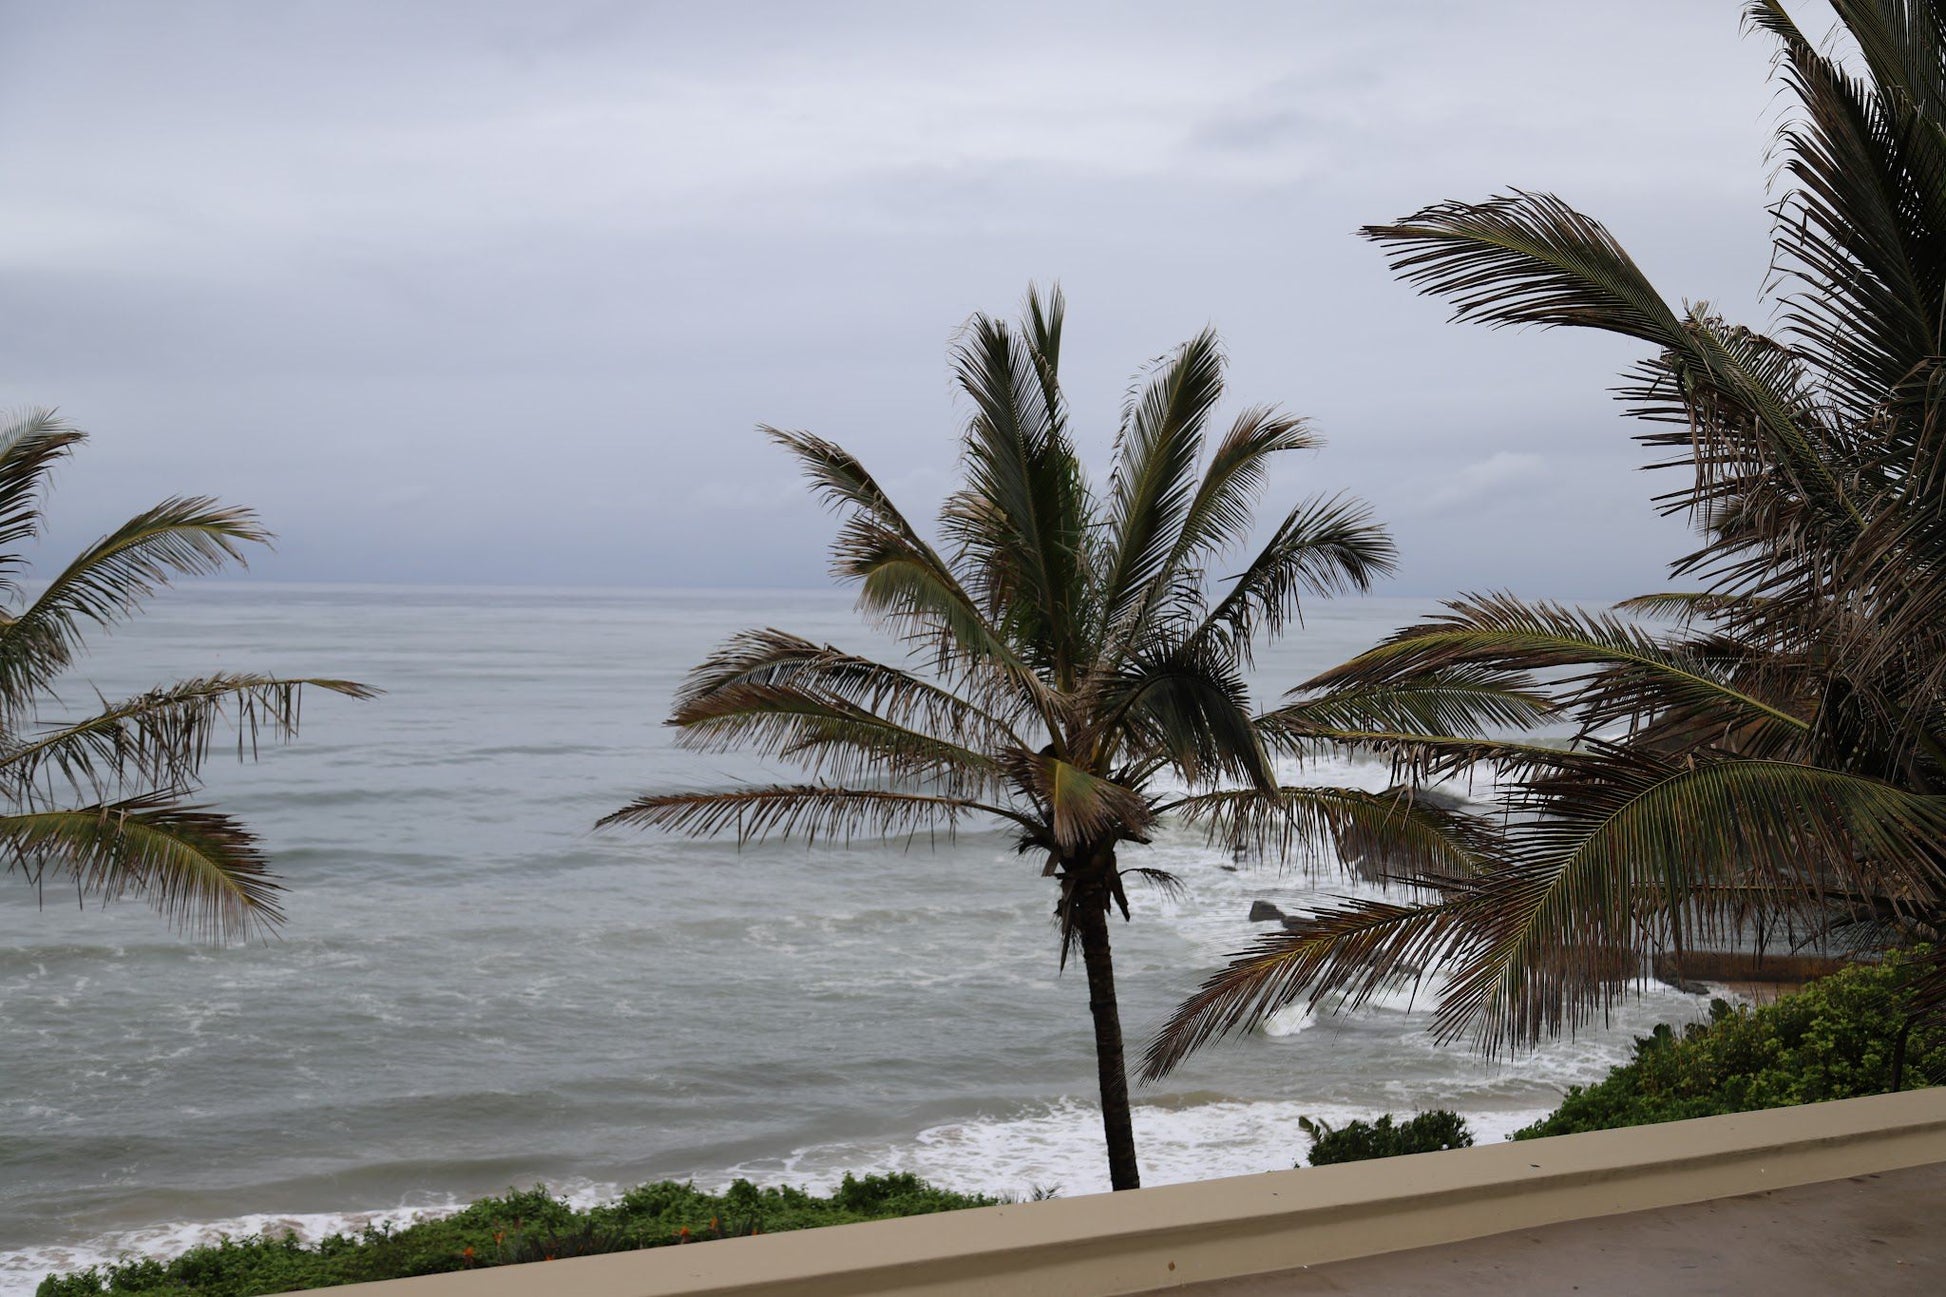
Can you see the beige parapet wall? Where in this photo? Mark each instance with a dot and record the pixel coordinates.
(1154, 1239)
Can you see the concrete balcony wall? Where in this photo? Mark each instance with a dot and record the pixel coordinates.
(1155, 1239)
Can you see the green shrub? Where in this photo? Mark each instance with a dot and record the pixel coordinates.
(1834, 1039)
(1356, 1141)
(529, 1225)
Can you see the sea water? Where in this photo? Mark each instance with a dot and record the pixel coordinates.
(475, 990)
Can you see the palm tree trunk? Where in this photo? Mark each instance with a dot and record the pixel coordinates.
(1091, 924)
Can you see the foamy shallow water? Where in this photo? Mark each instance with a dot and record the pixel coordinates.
(474, 991)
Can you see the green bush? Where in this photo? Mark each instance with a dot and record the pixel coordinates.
(1356, 1141)
(530, 1225)
(1834, 1039)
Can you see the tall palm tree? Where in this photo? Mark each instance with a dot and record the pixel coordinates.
(1073, 668)
(1777, 760)
(97, 802)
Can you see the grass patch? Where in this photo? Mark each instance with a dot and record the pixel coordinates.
(522, 1226)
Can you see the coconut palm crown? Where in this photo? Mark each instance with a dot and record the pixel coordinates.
(97, 802)
(1776, 762)
(1073, 667)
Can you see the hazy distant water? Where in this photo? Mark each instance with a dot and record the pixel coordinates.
(475, 991)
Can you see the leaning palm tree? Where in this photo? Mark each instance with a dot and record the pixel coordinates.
(1074, 673)
(1776, 762)
(97, 802)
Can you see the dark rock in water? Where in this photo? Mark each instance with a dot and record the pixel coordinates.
(1686, 986)
(1265, 912)
(1437, 798)
(1228, 869)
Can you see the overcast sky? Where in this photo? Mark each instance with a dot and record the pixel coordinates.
(496, 292)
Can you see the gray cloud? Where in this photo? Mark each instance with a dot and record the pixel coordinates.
(496, 293)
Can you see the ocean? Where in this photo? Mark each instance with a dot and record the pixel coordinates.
(474, 990)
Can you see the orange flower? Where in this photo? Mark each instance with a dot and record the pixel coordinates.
(467, 1252)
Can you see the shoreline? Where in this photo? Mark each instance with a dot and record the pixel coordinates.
(22, 1271)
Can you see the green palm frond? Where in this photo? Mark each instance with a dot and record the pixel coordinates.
(831, 739)
(771, 657)
(1606, 667)
(1080, 806)
(1190, 705)
(807, 811)
(1353, 951)
(903, 583)
(30, 445)
(1154, 481)
(1689, 605)
(1024, 522)
(1464, 700)
(160, 738)
(1780, 757)
(1225, 505)
(1324, 546)
(1638, 840)
(1384, 836)
(187, 536)
(200, 869)
(1524, 258)
(1861, 231)
(135, 760)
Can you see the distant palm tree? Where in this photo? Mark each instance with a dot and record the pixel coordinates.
(1077, 678)
(1778, 762)
(97, 802)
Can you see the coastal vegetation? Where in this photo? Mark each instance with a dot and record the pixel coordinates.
(1361, 1141)
(97, 803)
(1772, 765)
(1848, 1034)
(520, 1226)
(1075, 673)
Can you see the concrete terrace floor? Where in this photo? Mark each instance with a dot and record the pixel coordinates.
(1882, 1234)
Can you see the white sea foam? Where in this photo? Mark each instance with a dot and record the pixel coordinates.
(1058, 1145)
(1290, 1020)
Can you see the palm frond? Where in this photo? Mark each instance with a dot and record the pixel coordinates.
(201, 869)
(1637, 838)
(1608, 667)
(180, 537)
(31, 444)
(1387, 836)
(1024, 522)
(1189, 706)
(772, 657)
(1224, 508)
(1080, 807)
(1689, 605)
(161, 738)
(807, 811)
(1324, 546)
(1525, 258)
(1154, 483)
(831, 739)
(1355, 950)
(1462, 700)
